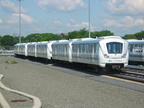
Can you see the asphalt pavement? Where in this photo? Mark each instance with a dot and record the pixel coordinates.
(59, 87)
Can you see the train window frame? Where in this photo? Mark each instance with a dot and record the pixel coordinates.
(115, 50)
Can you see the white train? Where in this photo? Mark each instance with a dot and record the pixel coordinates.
(106, 53)
(20, 49)
(136, 51)
(31, 49)
(44, 50)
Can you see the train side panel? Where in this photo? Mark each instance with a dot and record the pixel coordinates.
(61, 51)
(85, 52)
(31, 49)
(42, 48)
(136, 51)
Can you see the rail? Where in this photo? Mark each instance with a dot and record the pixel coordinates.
(131, 72)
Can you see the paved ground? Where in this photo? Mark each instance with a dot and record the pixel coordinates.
(57, 89)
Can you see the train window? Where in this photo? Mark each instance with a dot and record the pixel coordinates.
(77, 48)
(114, 47)
(86, 46)
(91, 48)
(80, 49)
(74, 48)
(137, 48)
(65, 48)
(131, 48)
(95, 48)
(83, 48)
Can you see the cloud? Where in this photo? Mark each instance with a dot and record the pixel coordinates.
(72, 21)
(57, 22)
(81, 25)
(76, 26)
(24, 19)
(129, 7)
(1, 20)
(126, 21)
(8, 6)
(61, 5)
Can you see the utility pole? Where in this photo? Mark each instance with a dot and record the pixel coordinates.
(89, 20)
(19, 21)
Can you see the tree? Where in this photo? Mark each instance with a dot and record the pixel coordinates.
(16, 40)
(102, 33)
(33, 37)
(72, 35)
(7, 41)
(139, 35)
(0, 40)
(129, 36)
(49, 37)
(82, 33)
(106, 33)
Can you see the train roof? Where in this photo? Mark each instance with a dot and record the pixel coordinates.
(86, 41)
(45, 42)
(62, 42)
(109, 37)
(32, 43)
(97, 40)
(135, 41)
(20, 44)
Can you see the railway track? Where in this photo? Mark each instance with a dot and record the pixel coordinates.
(131, 72)
(134, 73)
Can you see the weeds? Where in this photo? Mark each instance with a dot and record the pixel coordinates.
(11, 62)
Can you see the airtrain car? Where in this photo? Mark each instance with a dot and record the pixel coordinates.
(31, 49)
(107, 53)
(44, 50)
(20, 49)
(61, 50)
(136, 51)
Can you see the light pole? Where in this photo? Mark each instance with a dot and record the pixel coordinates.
(89, 19)
(19, 21)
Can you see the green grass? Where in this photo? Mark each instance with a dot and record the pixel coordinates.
(11, 62)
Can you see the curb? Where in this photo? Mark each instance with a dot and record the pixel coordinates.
(37, 101)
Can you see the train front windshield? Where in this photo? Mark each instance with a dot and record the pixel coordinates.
(114, 47)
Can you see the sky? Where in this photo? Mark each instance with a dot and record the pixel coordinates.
(62, 16)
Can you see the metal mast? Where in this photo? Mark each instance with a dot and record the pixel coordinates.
(19, 21)
(89, 19)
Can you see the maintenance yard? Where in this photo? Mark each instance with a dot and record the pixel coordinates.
(59, 87)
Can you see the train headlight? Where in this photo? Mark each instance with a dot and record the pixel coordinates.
(124, 56)
(106, 56)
